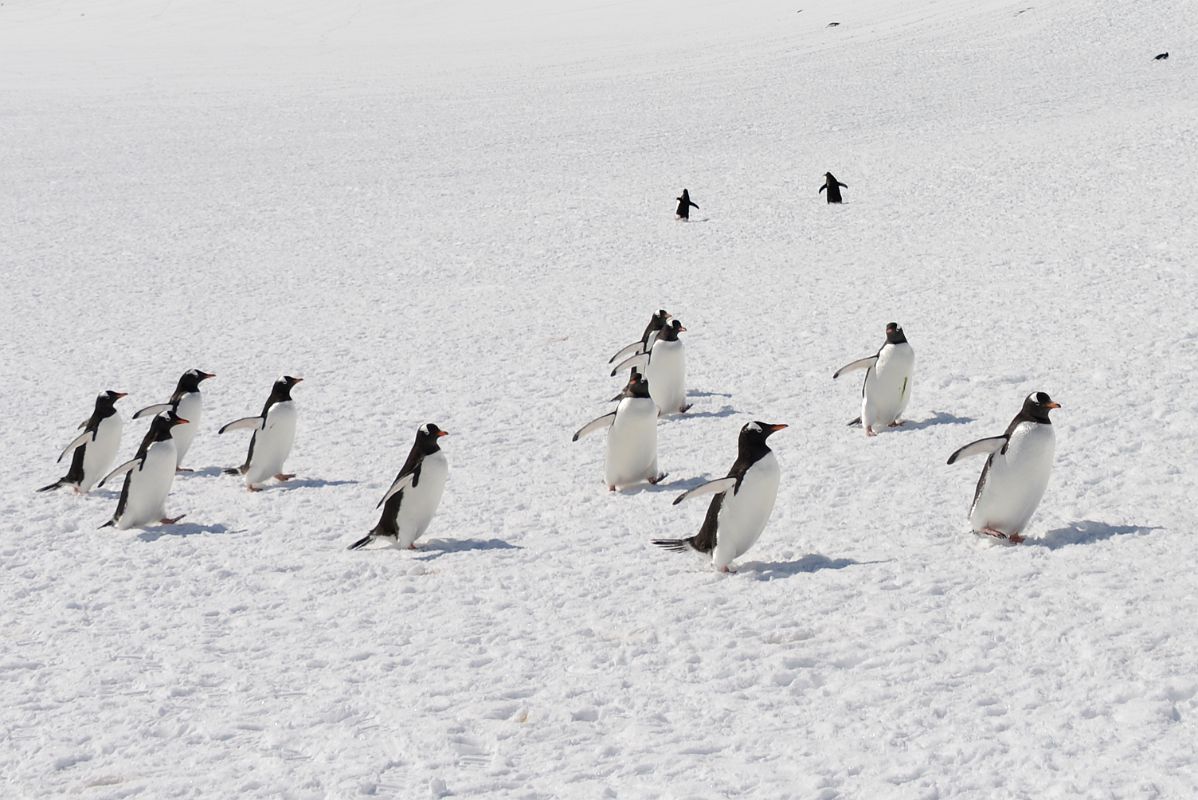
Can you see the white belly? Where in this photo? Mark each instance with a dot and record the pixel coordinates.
(666, 374)
(1016, 480)
(191, 408)
(420, 502)
(99, 454)
(632, 442)
(272, 444)
(149, 485)
(888, 386)
(743, 515)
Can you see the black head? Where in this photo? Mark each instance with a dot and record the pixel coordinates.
(637, 385)
(829, 176)
(753, 436)
(428, 438)
(894, 333)
(659, 319)
(1037, 405)
(106, 400)
(669, 333)
(163, 424)
(190, 381)
(282, 389)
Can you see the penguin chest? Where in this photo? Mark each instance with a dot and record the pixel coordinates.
(273, 443)
(149, 484)
(420, 502)
(888, 385)
(1013, 483)
(99, 453)
(191, 408)
(743, 514)
(666, 374)
(632, 442)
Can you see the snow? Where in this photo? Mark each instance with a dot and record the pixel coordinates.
(455, 212)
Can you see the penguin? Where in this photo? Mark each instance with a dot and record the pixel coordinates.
(833, 186)
(665, 370)
(148, 477)
(1160, 56)
(632, 440)
(94, 449)
(186, 402)
(742, 503)
(274, 433)
(684, 205)
(1016, 473)
(645, 343)
(887, 387)
(409, 505)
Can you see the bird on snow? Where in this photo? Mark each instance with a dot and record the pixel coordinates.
(187, 402)
(410, 503)
(1018, 466)
(645, 343)
(95, 449)
(887, 386)
(684, 205)
(274, 433)
(148, 477)
(632, 438)
(664, 368)
(742, 503)
(833, 186)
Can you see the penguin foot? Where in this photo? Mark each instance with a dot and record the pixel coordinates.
(184, 469)
(686, 407)
(171, 520)
(1013, 538)
(253, 488)
(611, 488)
(728, 570)
(284, 476)
(898, 423)
(869, 431)
(659, 478)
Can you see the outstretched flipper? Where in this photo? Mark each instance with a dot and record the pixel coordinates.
(632, 349)
(981, 447)
(121, 470)
(153, 411)
(401, 483)
(79, 441)
(595, 425)
(861, 363)
(638, 361)
(245, 423)
(718, 486)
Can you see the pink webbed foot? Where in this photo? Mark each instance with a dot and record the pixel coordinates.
(171, 520)
(869, 431)
(658, 479)
(284, 476)
(898, 423)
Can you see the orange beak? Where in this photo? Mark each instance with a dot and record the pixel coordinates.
(181, 421)
(119, 395)
(442, 433)
(1052, 405)
(778, 427)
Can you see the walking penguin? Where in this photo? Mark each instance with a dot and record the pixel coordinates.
(412, 500)
(187, 402)
(95, 449)
(833, 186)
(632, 440)
(684, 205)
(887, 387)
(148, 477)
(274, 433)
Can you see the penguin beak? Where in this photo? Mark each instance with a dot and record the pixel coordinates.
(681, 328)
(119, 395)
(442, 433)
(298, 380)
(778, 427)
(206, 375)
(1052, 405)
(181, 421)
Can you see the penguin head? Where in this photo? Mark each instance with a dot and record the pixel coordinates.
(174, 419)
(1037, 405)
(659, 319)
(669, 333)
(106, 400)
(637, 385)
(754, 434)
(282, 388)
(427, 436)
(894, 333)
(190, 381)
(160, 428)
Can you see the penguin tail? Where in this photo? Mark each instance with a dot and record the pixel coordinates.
(365, 540)
(55, 485)
(110, 523)
(677, 545)
(853, 422)
(233, 471)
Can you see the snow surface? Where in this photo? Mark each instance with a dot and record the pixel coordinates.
(455, 212)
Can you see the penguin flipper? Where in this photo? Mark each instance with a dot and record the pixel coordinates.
(245, 423)
(979, 448)
(632, 349)
(595, 425)
(365, 540)
(640, 360)
(821, 189)
(152, 411)
(401, 483)
(121, 470)
(79, 441)
(861, 363)
(711, 487)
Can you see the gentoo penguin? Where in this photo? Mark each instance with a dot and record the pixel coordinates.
(645, 343)
(1016, 471)
(188, 403)
(887, 387)
(665, 369)
(742, 503)
(833, 186)
(632, 440)
(409, 505)
(1160, 56)
(684, 205)
(274, 433)
(95, 448)
(148, 477)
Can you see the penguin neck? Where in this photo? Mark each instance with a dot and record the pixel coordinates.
(751, 451)
(896, 337)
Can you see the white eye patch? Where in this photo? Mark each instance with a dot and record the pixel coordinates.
(753, 426)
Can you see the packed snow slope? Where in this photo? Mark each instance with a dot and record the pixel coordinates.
(456, 212)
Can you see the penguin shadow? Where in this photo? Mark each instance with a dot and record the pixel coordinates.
(812, 562)
(723, 411)
(1087, 531)
(708, 394)
(937, 418)
(206, 472)
(680, 485)
(309, 483)
(435, 548)
(180, 529)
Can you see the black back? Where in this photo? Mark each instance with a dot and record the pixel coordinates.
(427, 442)
(657, 322)
(684, 205)
(833, 187)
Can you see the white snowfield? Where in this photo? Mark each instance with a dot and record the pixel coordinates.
(454, 212)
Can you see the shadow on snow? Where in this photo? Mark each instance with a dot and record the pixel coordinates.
(180, 529)
(725, 411)
(309, 483)
(435, 548)
(1087, 532)
(937, 418)
(812, 562)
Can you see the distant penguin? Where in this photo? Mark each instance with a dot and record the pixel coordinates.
(94, 449)
(742, 504)
(645, 343)
(412, 500)
(1016, 472)
(665, 369)
(632, 438)
(148, 477)
(274, 433)
(833, 186)
(188, 403)
(684, 205)
(1160, 56)
(887, 386)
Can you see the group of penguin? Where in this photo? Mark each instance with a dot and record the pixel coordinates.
(1011, 485)
(833, 187)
